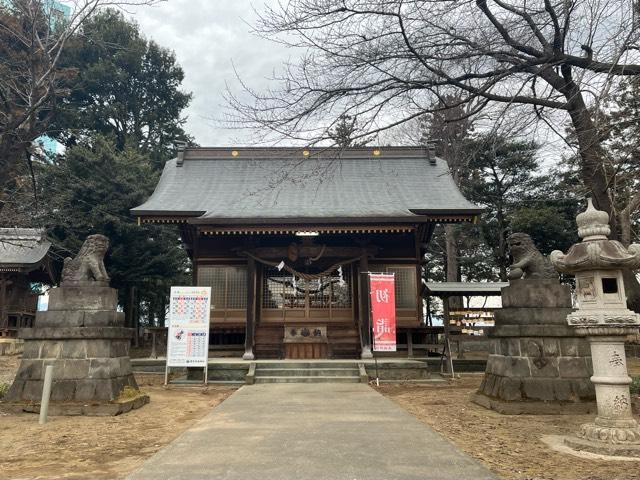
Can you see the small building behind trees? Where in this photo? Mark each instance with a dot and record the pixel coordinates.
(284, 235)
(24, 260)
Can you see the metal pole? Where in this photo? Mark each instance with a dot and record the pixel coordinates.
(370, 327)
(375, 359)
(46, 393)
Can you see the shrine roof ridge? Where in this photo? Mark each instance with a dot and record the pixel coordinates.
(278, 153)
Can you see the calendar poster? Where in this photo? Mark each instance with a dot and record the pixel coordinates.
(188, 341)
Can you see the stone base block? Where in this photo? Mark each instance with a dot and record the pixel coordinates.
(538, 375)
(537, 360)
(602, 448)
(71, 390)
(532, 407)
(536, 293)
(80, 318)
(11, 346)
(90, 364)
(82, 336)
(83, 297)
(532, 316)
(74, 408)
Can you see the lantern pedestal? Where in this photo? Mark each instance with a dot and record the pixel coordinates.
(614, 431)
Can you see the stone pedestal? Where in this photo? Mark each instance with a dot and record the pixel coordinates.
(83, 337)
(614, 430)
(538, 364)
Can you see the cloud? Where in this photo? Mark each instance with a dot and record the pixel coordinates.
(209, 38)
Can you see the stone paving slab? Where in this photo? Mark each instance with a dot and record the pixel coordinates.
(310, 431)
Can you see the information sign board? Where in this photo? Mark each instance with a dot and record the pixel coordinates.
(188, 340)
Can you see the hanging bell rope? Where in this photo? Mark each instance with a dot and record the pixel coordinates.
(319, 256)
(302, 275)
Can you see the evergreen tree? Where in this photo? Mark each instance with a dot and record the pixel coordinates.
(623, 146)
(91, 190)
(344, 131)
(502, 176)
(119, 123)
(127, 88)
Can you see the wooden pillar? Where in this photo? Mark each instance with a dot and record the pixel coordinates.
(419, 299)
(447, 343)
(251, 311)
(365, 318)
(196, 254)
(409, 342)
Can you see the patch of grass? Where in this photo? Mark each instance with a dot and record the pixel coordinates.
(635, 386)
(4, 388)
(128, 393)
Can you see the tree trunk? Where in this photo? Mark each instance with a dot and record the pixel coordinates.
(503, 253)
(453, 266)
(162, 312)
(592, 168)
(594, 176)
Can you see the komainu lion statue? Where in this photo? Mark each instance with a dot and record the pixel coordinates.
(528, 262)
(89, 263)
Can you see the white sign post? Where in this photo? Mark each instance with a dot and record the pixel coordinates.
(188, 339)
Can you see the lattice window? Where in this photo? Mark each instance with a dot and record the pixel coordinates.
(283, 290)
(228, 286)
(405, 283)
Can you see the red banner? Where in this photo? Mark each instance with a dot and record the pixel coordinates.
(383, 312)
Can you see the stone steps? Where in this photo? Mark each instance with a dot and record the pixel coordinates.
(308, 379)
(295, 364)
(306, 372)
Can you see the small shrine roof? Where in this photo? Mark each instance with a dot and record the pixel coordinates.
(451, 289)
(22, 249)
(297, 185)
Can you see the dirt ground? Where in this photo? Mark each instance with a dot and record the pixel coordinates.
(99, 448)
(508, 445)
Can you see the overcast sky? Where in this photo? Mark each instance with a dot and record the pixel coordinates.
(209, 38)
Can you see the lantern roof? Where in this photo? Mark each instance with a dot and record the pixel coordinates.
(595, 251)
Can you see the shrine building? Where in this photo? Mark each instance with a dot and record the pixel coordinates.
(284, 235)
(25, 258)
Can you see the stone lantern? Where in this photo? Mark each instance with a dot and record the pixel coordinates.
(603, 318)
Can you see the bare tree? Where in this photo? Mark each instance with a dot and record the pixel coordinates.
(388, 61)
(33, 36)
